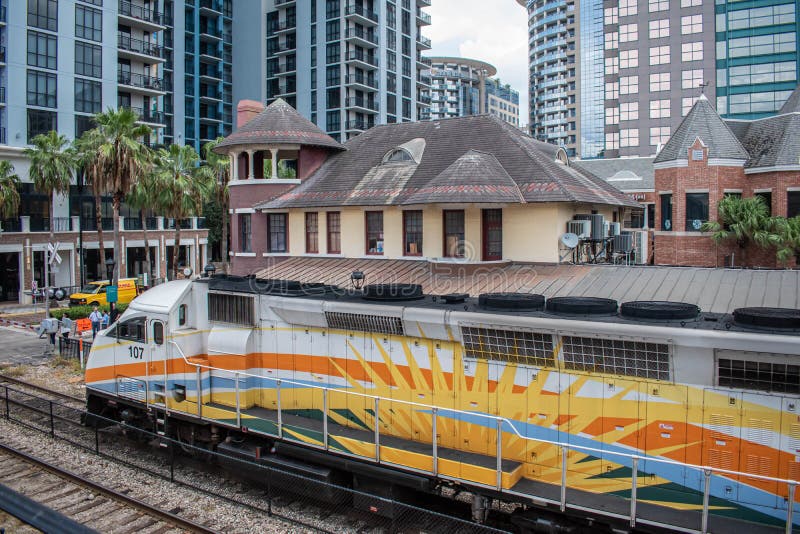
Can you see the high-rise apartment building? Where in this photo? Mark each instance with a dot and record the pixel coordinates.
(757, 59)
(643, 63)
(502, 100)
(346, 65)
(458, 86)
(553, 71)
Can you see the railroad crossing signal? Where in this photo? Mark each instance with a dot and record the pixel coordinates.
(55, 257)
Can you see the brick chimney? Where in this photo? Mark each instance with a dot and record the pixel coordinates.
(246, 110)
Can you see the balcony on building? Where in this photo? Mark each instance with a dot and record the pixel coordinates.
(359, 14)
(2, 96)
(423, 18)
(285, 26)
(210, 53)
(423, 42)
(132, 48)
(141, 83)
(286, 89)
(358, 125)
(359, 36)
(2, 55)
(365, 61)
(3, 15)
(150, 117)
(283, 4)
(361, 81)
(211, 7)
(423, 80)
(210, 114)
(288, 46)
(210, 94)
(142, 16)
(281, 69)
(424, 3)
(210, 32)
(359, 103)
(210, 72)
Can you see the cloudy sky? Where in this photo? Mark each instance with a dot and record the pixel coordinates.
(496, 34)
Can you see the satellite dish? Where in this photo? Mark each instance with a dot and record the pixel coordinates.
(569, 240)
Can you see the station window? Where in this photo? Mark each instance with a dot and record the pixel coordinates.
(454, 233)
(374, 223)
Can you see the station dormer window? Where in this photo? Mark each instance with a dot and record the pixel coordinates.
(398, 155)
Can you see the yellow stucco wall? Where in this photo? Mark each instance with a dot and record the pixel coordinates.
(530, 231)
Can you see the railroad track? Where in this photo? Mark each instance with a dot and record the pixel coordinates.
(10, 380)
(96, 506)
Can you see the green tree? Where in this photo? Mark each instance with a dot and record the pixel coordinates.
(219, 166)
(122, 159)
(86, 149)
(745, 221)
(182, 188)
(789, 230)
(52, 165)
(9, 189)
(142, 196)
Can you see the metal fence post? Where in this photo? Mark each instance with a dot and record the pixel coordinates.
(563, 478)
(706, 495)
(499, 439)
(280, 416)
(790, 508)
(377, 431)
(634, 480)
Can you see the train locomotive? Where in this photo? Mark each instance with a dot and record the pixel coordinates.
(649, 414)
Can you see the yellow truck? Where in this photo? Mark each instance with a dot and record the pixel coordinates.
(94, 293)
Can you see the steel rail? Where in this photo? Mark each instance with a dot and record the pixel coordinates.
(40, 389)
(176, 520)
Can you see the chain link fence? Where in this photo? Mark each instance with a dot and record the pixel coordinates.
(310, 496)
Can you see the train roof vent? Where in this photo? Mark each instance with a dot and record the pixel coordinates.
(511, 301)
(659, 309)
(393, 292)
(768, 317)
(581, 305)
(454, 298)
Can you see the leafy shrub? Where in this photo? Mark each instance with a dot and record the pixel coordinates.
(81, 312)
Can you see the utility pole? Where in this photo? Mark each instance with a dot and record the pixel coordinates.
(47, 281)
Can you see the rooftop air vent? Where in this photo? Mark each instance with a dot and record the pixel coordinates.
(393, 292)
(581, 305)
(768, 317)
(454, 298)
(511, 301)
(658, 309)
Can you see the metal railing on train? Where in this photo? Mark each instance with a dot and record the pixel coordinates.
(501, 424)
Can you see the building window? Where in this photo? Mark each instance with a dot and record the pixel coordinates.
(83, 124)
(629, 111)
(312, 232)
(767, 196)
(629, 85)
(696, 211)
(612, 115)
(374, 223)
(692, 51)
(659, 109)
(659, 55)
(412, 233)
(334, 232)
(659, 135)
(88, 23)
(454, 233)
(612, 65)
(612, 40)
(691, 3)
(691, 79)
(792, 204)
(658, 28)
(245, 232)
(628, 33)
(41, 89)
(42, 50)
(43, 14)
(276, 230)
(88, 60)
(612, 140)
(686, 104)
(40, 122)
(659, 82)
(627, 8)
(612, 90)
(628, 59)
(610, 16)
(691, 24)
(666, 212)
(88, 96)
(658, 5)
(629, 137)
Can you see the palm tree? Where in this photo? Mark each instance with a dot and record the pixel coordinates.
(52, 165)
(182, 187)
(790, 239)
(122, 159)
(142, 196)
(745, 221)
(220, 167)
(86, 148)
(9, 190)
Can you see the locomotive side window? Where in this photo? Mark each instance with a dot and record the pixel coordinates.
(515, 346)
(616, 357)
(234, 309)
(158, 333)
(132, 330)
(182, 315)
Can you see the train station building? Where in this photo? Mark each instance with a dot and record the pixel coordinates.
(465, 190)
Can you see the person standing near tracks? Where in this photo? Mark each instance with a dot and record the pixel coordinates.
(66, 327)
(96, 318)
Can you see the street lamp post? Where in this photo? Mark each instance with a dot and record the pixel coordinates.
(110, 263)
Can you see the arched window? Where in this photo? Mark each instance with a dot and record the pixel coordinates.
(398, 155)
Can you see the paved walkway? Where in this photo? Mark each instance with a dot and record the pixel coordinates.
(22, 346)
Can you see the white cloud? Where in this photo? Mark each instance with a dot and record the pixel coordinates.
(496, 34)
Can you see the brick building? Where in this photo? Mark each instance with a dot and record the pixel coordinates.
(708, 158)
